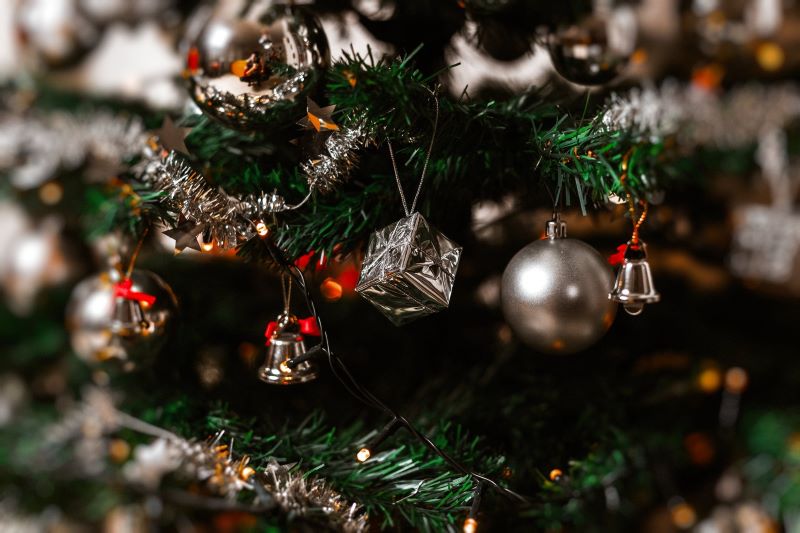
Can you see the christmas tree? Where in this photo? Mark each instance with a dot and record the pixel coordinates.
(480, 265)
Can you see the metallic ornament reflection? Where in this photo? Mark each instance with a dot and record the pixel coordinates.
(555, 293)
(634, 287)
(285, 344)
(595, 50)
(244, 72)
(103, 326)
(409, 270)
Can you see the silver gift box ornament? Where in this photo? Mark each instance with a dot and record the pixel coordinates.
(409, 270)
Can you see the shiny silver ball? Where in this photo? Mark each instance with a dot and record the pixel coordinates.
(105, 326)
(595, 50)
(249, 72)
(555, 295)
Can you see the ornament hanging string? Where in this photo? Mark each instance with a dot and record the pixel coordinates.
(135, 254)
(124, 287)
(286, 291)
(637, 222)
(424, 167)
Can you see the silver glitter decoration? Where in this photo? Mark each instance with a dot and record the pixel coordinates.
(187, 192)
(90, 423)
(214, 464)
(14, 520)
(87, 426)
(299, 495)
(332, 168)
(95, 415)
(695, 116)
(765, 243)
(34, 147)
(766, 238)
(210, 462)
(409, 270)
(228, 218)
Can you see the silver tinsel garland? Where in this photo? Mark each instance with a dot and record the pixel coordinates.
(210, 462)
(231, 220)
(13, 520)
(331, 169)
(695, 116)
(33, 147)
(297, 494)
(89, 425)
(187, 192)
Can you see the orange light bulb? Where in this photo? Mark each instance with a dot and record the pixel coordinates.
(470, 525)
(363, 454)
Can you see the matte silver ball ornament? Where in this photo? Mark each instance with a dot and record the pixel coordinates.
(555, 293)
(104, 325)
(248, 72)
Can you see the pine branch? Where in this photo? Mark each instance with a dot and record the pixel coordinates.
(482, 149)
(404, 480)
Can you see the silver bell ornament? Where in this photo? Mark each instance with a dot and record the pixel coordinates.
(595, 50)
(285, 341)
(110, 316)
(555, 293)
(248, 71)
(633, 287)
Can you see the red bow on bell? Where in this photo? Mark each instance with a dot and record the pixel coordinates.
(308, 326)
(618, 257)
(124, 289)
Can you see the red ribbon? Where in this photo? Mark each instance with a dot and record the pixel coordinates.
(124, 289)
(618, 257)
(193, 59)
(308, 326)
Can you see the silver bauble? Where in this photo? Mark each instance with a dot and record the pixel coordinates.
(555, 294)
(103, 326)
(248, 72)
(595, 50)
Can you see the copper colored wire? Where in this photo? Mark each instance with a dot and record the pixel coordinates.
(135, 254)
(631, 204)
